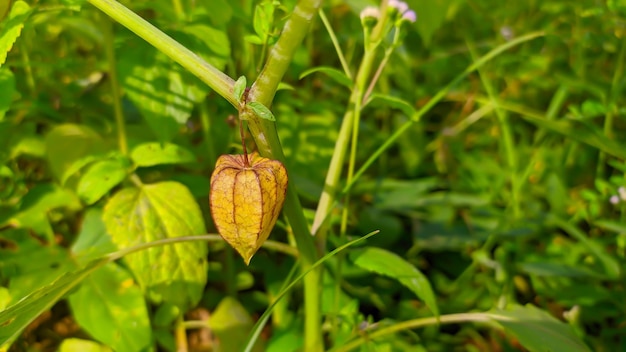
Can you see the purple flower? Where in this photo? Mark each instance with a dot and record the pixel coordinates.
(400, 6)
(409, 16)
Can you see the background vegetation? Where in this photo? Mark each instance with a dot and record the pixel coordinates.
(500, 198)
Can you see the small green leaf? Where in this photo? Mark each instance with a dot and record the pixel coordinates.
(538, 331)
(389, 264)
(93, 241)
(12, 28)
(120, 319)
(261, 111)
(231, 324)
(253, 39)
(70, 147)
(335, 74)
(392, 101)
(150, 154)
(99, 179)
(240, 88)
(161, 90)
(172, 273)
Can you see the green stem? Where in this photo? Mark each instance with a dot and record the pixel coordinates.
(178, 9)
(268, 143)
(350, 120)
(28, 70)
(205, 119)
(333, 38)
(180, 335)
(109, 49)
(436, 99)
(210, 75)
(506, 139)
(416, 323)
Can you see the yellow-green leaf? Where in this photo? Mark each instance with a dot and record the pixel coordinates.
(173, 273)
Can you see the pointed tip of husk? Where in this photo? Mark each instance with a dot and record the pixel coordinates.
(246, 256)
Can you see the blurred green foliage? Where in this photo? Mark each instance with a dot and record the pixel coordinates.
(509, 191)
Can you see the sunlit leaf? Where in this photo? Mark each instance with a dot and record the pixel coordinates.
(11, 27)
(390, 264)
(261, 111)
(160, 89)
(92, 241)
(173, 273)
(79, 345)
(120, 319)
(70, 147)
(100, 178)
(150, 154)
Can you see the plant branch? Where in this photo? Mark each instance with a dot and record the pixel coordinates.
(214, 78)
(268, 143)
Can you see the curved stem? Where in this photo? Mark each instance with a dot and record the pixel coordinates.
(333, 38)
(412, 324)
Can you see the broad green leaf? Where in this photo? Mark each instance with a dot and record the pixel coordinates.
(161, 90)
(538, 331)
(239, 88)
(18, 316)
(79, 345)
(12, 27)
(231, 323)
(390, 264)
(120, 318)
(335, 74)
(70, 147)
(100, 178)
(7, 87)
(261, 110)
(93, 241)
(174, 273)
(151, 154)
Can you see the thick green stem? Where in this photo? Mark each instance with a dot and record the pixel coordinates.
(330, 191)
(210, 75)
(266, 137)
